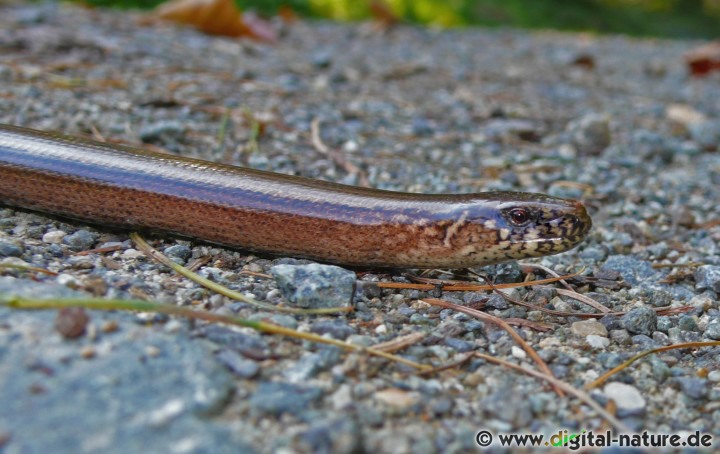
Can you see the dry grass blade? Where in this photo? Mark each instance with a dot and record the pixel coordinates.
(400, 342)
(146, 306)
(13, 266)
(338, 158)
(582, 298)
(207, 283)
(502, 324)
(551, 272)
(604, 377)
(565, 387)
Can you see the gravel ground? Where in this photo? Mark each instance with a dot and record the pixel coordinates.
(615, 121)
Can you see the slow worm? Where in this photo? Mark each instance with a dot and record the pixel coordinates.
(279, 214)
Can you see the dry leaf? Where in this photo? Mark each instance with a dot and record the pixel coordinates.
(382, 14)
(704, 59)
(216, 17)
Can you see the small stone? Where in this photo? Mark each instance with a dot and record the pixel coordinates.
(707, 277)
(591, 133)
(81, 240)
(459, 345)
(628, 399)
(712, 330)
(238, 365)
(161, 131)
(71, 322)
(310, 364)
(54, 236)
(518, 352)
(641, 320)
(696, 388)
(338, 329)
(131, 254)
(10, 250)
(705, 133)
(620, 336)
(496, 302)
(179, 252)
(340, 434)
(315, 285)
(276, 398)
(321, 59)
(645, 342)
(397, 398)
(664, 323)
(422, 127)
(597, 342)
(586, 328)
(688, 323)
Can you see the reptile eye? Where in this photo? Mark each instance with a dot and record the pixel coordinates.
(519, 216)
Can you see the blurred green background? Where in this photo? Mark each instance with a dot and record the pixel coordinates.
(667, 18)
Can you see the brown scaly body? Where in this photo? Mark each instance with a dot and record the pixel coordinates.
(279, 214)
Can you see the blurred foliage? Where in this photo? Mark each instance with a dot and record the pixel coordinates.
(669, 18)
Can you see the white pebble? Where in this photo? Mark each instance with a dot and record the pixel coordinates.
(54, 236)
(518, 352)
(131, 254)
(597, 342)
(626, 397)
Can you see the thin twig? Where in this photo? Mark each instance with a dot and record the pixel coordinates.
(585, 299)
(207, 283)
(400, 342)
(502, 324)
(619, 425)
(603, 378)
(338, 158)
(146, 306)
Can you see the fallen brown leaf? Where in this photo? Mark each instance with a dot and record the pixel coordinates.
(704, 59)
(216, 17)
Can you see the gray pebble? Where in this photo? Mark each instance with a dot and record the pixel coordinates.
(459, 344)
(10, 249)
(707, 277)
(712, 330)
(504, 273)
(178, 251)
(251, 346)
(688, 323)
(310, 364)
(664, 323)
(641, 320)
(660, 370)
(694, 387)
(276, 398)
(162, 130)
(497, 302)
(338, 329)
(645, 342)
(594, 253)
(705, 133)
(238, 364)
(505, 405)
(315, 285)
(81, 240)
(169, 393)
(321, 59)
(591, 133)
(339, 435)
